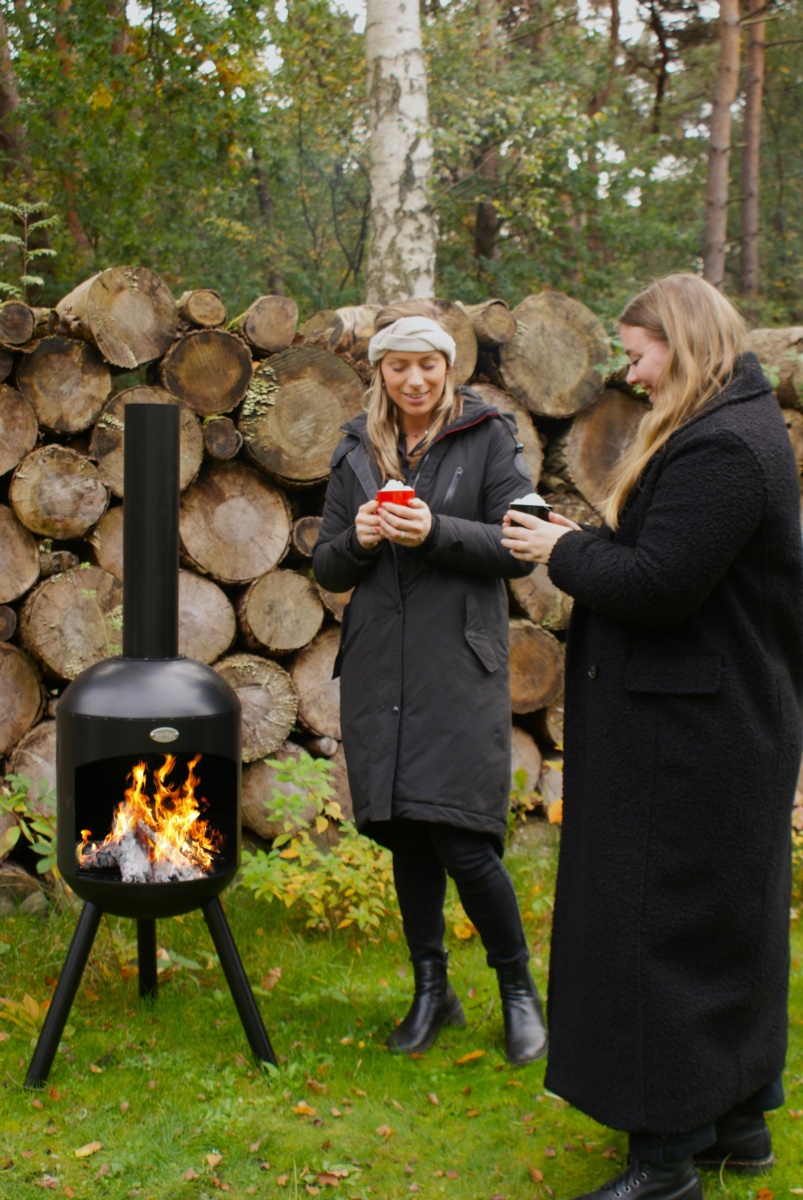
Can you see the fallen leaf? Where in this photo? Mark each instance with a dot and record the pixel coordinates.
(538, 1176)
(68, 1192)
(414, 1188)
(272, 977)
(103, 1170)
(254, 1147)
(325, 1179)
(191, 1173)
(611, 1152)
(472, 1112)
(384, 1131)
(555, 812)
(550, 1152)
(53, 1094)
(314, 1086)
(335, 1112)
(95, 1069)
(282, 1180)
(152, 1084)
(433, 1099)
(470, 1057)
(47, 1181)
(37, 1104)
(452, 1175)
(359, 1092)
(396, 1104)
(302, 1109)
(764, 1193)
(89, 1148)
(124, 1106)
(212, 1160)
(4, 1037)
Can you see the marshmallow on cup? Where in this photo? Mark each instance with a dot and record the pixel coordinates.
(395, 492)
(532, 504)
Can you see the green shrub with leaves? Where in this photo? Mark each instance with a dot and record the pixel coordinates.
(25, 215)
(335, 886)
(39, 830)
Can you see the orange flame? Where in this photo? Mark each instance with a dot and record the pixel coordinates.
(167, 825)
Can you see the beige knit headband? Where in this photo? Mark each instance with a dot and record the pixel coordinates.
(412, 335)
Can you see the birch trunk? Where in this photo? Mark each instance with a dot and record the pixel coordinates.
(719, 144)
(401, 260)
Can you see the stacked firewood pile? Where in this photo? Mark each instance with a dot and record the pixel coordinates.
(262, 399)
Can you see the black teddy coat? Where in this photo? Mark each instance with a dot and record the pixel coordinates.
(670, 960)
(425, 698)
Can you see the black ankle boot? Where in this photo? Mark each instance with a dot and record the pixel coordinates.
(651, 1181)
(525, 1035)
(435, 1004)
(743, 1144)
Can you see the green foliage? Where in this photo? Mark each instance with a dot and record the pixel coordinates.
(23, 214)
(347, 883)
(39, 830)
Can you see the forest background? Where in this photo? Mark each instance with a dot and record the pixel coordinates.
(225, 145)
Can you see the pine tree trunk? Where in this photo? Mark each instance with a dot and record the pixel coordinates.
(719, 145)
(67, 383)
(751, 151)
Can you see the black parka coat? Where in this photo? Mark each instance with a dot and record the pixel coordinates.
(425, 698)
(670, 962)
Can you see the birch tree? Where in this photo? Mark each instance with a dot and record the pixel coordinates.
(401, 256)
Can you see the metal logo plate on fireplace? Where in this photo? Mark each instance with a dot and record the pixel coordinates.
(164, 733)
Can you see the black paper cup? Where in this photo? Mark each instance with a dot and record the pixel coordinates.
(541, 510)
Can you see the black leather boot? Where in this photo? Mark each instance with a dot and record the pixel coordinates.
(651, 1181)
(435, 1004)
(743, 1144)
(525, 1035)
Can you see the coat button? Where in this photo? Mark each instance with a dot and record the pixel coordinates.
(395, 710)
(592, 671)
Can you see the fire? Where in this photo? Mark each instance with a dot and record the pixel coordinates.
(157, 834)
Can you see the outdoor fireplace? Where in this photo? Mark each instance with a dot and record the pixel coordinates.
(148, 757)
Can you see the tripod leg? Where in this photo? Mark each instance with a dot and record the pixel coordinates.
(146, 958)
(64, 995)
(238, 981)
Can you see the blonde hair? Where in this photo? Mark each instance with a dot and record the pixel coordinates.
(384, 428)
(704, 333)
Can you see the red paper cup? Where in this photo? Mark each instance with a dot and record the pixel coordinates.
(395, 495)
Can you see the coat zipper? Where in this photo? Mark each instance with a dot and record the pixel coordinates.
(452, 488)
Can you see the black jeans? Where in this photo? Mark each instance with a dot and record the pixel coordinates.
(423, 854)
(658, 1148)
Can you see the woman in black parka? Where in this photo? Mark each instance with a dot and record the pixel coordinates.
(425, 700)
(670, 960)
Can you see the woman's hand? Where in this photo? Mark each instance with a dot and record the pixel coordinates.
(532, 539)
(366, 525)
(405, 524)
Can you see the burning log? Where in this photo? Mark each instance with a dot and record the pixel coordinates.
(235, 525)
(106, 445)
(18, 428)
(19, 558)
(551, 365)
(268, 325)
(57, 493)
(291, 417)
(66, 382)
(208, 370)
(127, 312)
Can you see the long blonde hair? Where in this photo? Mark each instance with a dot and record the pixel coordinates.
(384, 429)
(704, 333)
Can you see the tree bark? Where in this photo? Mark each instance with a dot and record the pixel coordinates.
(751, 151)
(21, 695)
(719, 145)
(401, 259)
(279, 613)
(57, 493)
(127, 312)
(291, 417)
(268, 325)
(551, 365)
(318, 692)
(18, 428)
(268, 700)
(106, 445)
(235, 525)
(208, 369)
(67, 382)
(71, 621)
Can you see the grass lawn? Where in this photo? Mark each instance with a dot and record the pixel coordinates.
(163, 1102)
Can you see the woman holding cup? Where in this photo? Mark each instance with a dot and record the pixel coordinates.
(669, 965)
(425, 702)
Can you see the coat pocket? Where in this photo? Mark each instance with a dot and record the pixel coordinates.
(689, 674)
(477, 636)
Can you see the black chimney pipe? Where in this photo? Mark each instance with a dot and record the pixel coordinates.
(150, 531)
